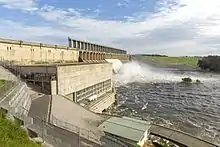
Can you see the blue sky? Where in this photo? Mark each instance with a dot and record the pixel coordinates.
(173, 27)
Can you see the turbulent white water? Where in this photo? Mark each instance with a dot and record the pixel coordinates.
(140, 72)
(154, 94)
(116, 64)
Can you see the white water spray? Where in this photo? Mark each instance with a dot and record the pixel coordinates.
(140, 72)
(116, 64)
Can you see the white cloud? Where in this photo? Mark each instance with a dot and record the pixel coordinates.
(180, 27)
(123, 3)
(27, 5)
(51, 14)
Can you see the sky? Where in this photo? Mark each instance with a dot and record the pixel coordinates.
(171, 27)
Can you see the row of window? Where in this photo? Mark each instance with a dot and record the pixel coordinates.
(32, 51)
(8, 48)
(93, 90)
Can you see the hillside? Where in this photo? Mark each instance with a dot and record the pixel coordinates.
(2, 83)
(13, 136)
(185, 63)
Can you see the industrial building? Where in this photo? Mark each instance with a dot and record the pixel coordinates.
(78, 72)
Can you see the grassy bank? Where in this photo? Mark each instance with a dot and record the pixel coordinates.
(189, 61)
(2, 83)
(12, 135)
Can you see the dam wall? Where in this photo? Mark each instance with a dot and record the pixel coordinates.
(27, 52)
(31, 53)
(87, 56)
(84, 45)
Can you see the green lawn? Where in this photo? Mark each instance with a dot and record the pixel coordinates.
(189, 61)
(12, 135)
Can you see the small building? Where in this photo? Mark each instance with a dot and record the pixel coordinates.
(127, 130)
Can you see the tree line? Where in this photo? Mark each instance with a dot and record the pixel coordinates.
(210, 63)
(159, 55)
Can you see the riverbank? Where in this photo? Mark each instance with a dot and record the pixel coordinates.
(180, 63)
(188, 61)
(11, 134)
(2, 83)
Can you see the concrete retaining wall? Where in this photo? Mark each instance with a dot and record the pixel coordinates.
(76, 77)
(21, 98)
(17, 102)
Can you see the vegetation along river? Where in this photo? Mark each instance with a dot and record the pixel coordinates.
(156, 94)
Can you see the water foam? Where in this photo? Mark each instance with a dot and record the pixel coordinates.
(116, 64)
(139, 72)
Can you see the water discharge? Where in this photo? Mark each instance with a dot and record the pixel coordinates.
(155, 94)
(116, 64)
(139, 72)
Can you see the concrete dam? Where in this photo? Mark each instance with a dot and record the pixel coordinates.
(60, 92)
(58, 81)
(79, 71)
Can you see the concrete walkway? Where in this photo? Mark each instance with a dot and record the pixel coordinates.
(39, 107)
(39, 111)
(179, 137)
(74, 114)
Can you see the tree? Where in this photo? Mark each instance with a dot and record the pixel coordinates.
(210, 63)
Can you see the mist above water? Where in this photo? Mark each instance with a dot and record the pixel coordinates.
(139, 72)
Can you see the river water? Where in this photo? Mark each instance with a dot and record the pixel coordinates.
(156, 94)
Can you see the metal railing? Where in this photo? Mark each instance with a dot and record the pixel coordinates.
(87, 134)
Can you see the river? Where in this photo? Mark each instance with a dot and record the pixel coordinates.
(156, 94)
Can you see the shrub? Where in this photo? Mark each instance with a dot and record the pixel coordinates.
(198, 81)
(187, 80)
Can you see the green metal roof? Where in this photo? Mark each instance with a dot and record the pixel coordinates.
(125, 127)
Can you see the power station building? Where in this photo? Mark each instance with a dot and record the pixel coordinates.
(80, 72)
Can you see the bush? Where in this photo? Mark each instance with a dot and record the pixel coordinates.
(198, 81)
(210, 63)
(187, 80)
